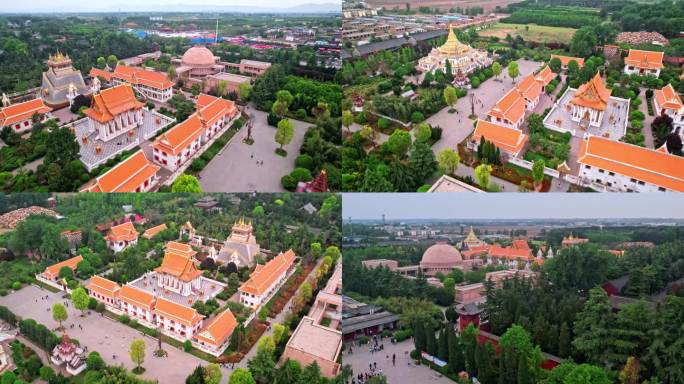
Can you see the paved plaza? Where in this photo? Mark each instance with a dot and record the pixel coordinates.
(153, 123)
(235, 168)
(613, 125)
(400, 373)
(110, 338)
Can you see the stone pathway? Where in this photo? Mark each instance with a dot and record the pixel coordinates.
(235, 168)
(648, 133)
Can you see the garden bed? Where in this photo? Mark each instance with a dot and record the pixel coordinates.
(254, 333)
(285, 293)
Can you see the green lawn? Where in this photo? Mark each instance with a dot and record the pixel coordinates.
(530, 32)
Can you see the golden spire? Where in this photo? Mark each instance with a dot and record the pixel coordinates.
(453, 47)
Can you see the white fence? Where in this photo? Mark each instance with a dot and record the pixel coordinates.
(51, 283)
(528, 165)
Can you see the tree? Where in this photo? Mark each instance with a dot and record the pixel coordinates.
(278, 332)
(196, 377)
(448, 161)
(375, 181)
(399, 142)
(241, 376)
(593, 327)
(419, 339)
(284, 132)
(630, 372)
(262, 365)
(61, 147)
(59, 313)
(347, 119)
(469, 341)
(496, 69)
(95, 361)
(101, 62)
(450, 96)
(538, 171)
(422, 162)
(186, 183)
(212, 374)
(137, 353)
(80, 299)
(112, 61)
(244, 91)
(555, 65)
(513, 70)
(171, 73)
(482, 173)
(583, 42)
(66, 273)
(422, 132)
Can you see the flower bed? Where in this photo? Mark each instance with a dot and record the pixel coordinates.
(278, 301)
(254, 333)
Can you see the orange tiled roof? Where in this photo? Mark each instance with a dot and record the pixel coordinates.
(209, 110)
(645, 59)
(265, 275)
(567, 59)
(508, 139)
(53, 271)
(592, 94)
(520, 244)
(97, 72)
(178, 262)
(510, 253)
(103, 286)
(530, 88)
(111, 102)
(122, 232)
(17, 113)
(648, 165)
(179, 313)
(218, 329)
(152, 232)
(139, 76)
(510, 107)
(668, 98)
(125, 176)
(136, 296)
(545, 76)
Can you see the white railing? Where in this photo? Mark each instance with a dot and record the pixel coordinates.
(52, 283)
(528, 165)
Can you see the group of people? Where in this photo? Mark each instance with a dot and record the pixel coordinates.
(373, 370)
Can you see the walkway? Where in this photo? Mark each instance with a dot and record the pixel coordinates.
(646, 130)
(235, 168)
(403, 372)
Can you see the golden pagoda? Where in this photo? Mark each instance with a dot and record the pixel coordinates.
(462, 58)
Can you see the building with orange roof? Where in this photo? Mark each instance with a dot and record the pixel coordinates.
(52, 272)
(569, 241)
(644, 63)
(137, 304)
(590, 101)
(613, 165)
(175, 148)
(178, 272)
(115, 111)
(152, 232)
(214, 338)
(530, 89)
(151, 85)
(135, 174)
(545, 76)
(19, 116)
(667, 102)
(266, 279)
(176, 320)
(121, 236)
(509, 140)
(509, 110)
(565, 60)
(101, 73)
(103, 290)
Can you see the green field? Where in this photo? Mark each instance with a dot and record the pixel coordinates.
(531, 32)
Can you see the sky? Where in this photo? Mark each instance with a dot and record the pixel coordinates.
(397, 206)
(138, 5)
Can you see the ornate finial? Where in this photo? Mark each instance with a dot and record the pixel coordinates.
(5, 100)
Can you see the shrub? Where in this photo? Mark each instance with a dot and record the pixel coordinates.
(300, 114)
(124, 319)
(424, 188)
(187, 346)
(383, 123)
(92, 303)
(363, 340)
(100, 307)
(304, 161)
(3, 292)
(436, 133)
(417, 117)
(272, 119)
(360, 119)
(16, 285)
(198, 164)
(133, 323)
(301, 174)
(95, 361)
(403, 334)
(288, 182)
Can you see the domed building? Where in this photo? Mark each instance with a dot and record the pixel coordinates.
(196, 64)
(440, 257)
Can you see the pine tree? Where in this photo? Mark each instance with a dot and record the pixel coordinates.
(443, 345)
(593, 327)
(431, 344)
(419, 337)
(564, 340)
(481, 148)
(455, 351)
(469, 340)
(523, 370)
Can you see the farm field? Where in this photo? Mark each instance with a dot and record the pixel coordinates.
(488, 5)
(537, 33)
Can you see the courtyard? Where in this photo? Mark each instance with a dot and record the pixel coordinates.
(238, 168)
(108, 337)
(148, 282)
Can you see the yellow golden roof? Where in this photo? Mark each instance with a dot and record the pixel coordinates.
(453, 47)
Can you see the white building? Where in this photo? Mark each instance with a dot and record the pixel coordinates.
(178, 273)
(266, 280)
(121, 236)
(20, 116)
(115, 112)
(667, 102)
(643, 63)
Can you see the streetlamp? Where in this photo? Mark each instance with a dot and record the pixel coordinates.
(472, 105)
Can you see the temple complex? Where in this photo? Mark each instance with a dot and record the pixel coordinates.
(462, 58)
(121, 236)
(19, 116)
(590, 110)
(177, 272)
(61, 83)
(240, 247)
(69, 354)
(471, 241)
(173, 149)
(266, 279)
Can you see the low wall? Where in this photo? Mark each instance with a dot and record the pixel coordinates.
(528, 165)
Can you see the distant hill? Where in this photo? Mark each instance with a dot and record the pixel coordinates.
(182, 7)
